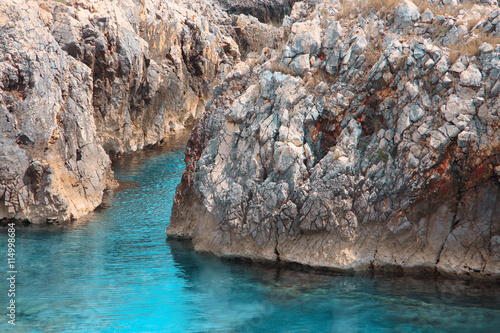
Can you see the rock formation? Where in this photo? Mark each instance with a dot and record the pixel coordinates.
(82, 80)
(358, 135)
(52, 167)
(266, 11)
(369, 140)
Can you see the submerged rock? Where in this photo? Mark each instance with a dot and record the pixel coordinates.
(362, 158)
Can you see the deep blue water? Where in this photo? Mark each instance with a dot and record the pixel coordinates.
(115, 271)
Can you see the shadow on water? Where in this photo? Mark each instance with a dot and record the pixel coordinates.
(269, 298)
(125, 164)
(173, 142)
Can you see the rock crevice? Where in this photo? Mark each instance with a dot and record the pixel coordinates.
(356, 145)
(85, 80)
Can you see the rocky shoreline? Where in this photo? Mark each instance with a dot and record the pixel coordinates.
(360, 135)
(369, 141)
(82, 81)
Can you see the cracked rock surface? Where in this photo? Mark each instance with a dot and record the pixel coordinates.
(83, 80)
(264, 10)
(357, 145)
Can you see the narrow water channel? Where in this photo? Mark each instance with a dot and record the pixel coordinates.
(115, 271)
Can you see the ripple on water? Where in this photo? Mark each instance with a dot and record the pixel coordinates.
(114, 271)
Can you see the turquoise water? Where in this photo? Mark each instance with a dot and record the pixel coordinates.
(115, 271)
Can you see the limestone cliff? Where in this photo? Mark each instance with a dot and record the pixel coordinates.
(370, 140)
(52, 167)
(84, 79)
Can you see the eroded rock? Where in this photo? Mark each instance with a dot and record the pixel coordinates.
(81, 80)
(354, 160)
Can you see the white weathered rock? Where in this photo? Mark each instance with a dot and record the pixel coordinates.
(442, 65)
(300, 64)
(466, 137)
(332, 34)
(419, 51)
(495, 89)
(427, 16)
(53, 167)
(471, 77)
(415, 112)
(447, 79)
(405, 13)
(356, 48)
(268, 128)
(429, 64)
(458, 67)
(306, 38)
(449, 130)
(412, 89)
(455, 35)
(438, 140)
(87, 78)
(456, 107)
(486, 48)
(394, 53)
(451, 3)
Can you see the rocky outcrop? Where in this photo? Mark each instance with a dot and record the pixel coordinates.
(371, 141)
(253, 36)
(153, 63)
(52, 166)
(265, 11)
(82, 80)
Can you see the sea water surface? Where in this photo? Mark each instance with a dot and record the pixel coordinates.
(115, 271)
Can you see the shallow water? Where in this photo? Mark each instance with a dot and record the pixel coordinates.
(114, 271)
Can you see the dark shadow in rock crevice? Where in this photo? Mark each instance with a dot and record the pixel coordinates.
(266, 11)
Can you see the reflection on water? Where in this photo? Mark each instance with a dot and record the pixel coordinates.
(114, 271)
(262, 298)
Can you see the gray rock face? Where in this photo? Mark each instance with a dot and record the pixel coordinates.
(81, 80)
(251, 36)
(350, 163)
(406, 13)
(52, 167)
(153, 64)
(264, 10)
(427, 16)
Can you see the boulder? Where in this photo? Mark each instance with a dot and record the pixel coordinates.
(406, 13)
(471, 77)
